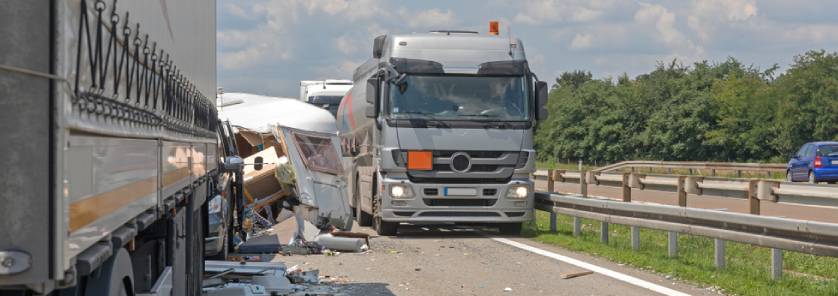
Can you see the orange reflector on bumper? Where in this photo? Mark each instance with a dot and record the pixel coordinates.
(420, 160)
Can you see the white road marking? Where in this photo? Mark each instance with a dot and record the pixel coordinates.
(600, 270)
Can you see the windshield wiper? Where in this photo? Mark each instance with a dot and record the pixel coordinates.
(427, 117)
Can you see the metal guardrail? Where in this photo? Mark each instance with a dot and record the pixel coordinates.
(817, 238)
(710, 167)
(753, 190)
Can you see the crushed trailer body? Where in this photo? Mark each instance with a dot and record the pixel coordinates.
(292, 165)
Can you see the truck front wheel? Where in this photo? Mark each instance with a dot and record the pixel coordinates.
(510, 228)
(363, 218)
(384, 228)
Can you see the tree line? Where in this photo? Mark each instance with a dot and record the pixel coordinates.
(707, 111)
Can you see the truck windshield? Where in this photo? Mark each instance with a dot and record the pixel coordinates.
(330, 103)
(491, 98)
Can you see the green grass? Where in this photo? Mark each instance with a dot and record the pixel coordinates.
(747, 271)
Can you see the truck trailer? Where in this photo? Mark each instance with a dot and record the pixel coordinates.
(438, 128)
(112, 146)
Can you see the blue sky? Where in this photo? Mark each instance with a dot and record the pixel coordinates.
(268, 46)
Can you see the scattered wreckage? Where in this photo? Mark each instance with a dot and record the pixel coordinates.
(292, 170)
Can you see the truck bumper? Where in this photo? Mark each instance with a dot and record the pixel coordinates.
(458, 203)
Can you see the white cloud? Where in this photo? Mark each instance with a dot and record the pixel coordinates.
(353, 10)
(432, 18)
(811, 33)
(272, 40)
(581, 41)
(708, 17)
(665, 25)
(345, 45)
(545, 11)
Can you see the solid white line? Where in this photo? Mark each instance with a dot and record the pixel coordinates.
(597, 269)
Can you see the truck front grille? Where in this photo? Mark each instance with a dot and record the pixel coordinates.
(459, 202)
(458, 167)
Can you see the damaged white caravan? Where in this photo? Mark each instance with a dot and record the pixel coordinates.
(293, 158)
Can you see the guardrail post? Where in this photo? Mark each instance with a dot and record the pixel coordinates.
(720, 253)
(682, 192)
(635, 238)
(577, 226)
(603, 232)
(776, 264)
(765, 190)
(672, 246)
(712, 172)
(583, 183)
(551, 176)
(753, 200)
(626, 187)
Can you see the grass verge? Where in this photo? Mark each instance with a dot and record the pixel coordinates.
(747, 271)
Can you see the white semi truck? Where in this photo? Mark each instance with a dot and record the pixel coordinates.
(111, 146)
(438, 128)
(325, 94)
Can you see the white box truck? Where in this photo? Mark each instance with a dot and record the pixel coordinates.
(325, 94)
(438, 128)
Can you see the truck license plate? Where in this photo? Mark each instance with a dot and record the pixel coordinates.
(835, 162)
(460, 191)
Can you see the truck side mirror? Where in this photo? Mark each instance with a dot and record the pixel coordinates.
(371, 110)
(232, 164)
(541, 100)
(378, 46)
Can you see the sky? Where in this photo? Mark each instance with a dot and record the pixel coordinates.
(268, 46)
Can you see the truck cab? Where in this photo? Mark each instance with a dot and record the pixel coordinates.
(325, 94)
(439, 129)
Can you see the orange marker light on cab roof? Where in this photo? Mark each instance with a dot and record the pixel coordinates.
(494, 28)
(420, 160)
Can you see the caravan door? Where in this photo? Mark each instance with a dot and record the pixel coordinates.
(321, 186)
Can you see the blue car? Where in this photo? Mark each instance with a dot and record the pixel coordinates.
(815, 162)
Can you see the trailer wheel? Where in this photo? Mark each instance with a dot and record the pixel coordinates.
(114, 277)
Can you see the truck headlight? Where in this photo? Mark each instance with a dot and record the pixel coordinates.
(398, 191)
(518, 191)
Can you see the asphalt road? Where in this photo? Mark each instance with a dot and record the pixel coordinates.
(813, 213)
(445, 260)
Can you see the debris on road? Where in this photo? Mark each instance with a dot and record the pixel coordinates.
(263, 278)
(575, 274)
(507, 289)
(340, 243)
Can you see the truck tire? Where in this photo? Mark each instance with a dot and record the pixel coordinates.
(363, 218)
(114, 277)
(510, 228)
(384, 228)
(380, 226)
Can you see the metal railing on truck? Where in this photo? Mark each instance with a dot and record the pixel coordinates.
(777, 233)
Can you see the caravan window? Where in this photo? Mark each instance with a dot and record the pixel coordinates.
(318, 153)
